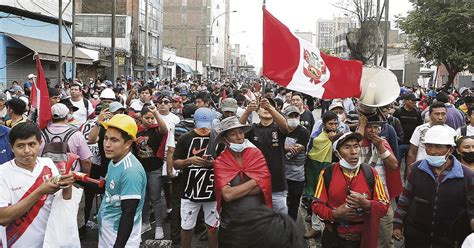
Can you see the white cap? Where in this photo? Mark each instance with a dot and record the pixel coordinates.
(107, 94)
(440, 135)
(336, 105)
(31, 76)
(59, 111)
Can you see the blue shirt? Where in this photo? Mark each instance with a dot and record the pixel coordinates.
(125, 180)
(6, 153)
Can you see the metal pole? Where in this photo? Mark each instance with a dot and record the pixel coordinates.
(112, 52)
(145, 67)
(210, 51)
(60, 41)
(387, 28)
(196, 62)
(73, 61)
(377, 43)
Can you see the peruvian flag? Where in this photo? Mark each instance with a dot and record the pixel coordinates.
(40, 97)
(296, 64)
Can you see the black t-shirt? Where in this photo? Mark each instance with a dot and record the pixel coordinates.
(409, 120)
(271, 141)
(197, 181)
(147, 144)
(104, 162)
(307, 120)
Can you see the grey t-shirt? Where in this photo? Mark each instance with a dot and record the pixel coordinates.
(295, 163)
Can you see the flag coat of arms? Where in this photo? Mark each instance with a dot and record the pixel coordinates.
(296, 64)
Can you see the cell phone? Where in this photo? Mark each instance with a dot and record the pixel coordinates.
(207, 157)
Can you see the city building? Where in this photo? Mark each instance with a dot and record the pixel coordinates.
(94, 25)
(30, 27)
(199, 30)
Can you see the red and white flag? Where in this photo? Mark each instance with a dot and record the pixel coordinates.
(296, 64)
(40, 96)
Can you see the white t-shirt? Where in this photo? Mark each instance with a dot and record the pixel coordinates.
(171, 121)
(14, 183)
(469, 131)
(418, 138)
(137, 105)
(82, 114)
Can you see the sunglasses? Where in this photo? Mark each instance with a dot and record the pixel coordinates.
(163, 101)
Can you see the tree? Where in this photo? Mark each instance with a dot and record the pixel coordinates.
(362, 41)
(442, 32)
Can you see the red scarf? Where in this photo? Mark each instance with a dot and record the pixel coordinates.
(254, 166)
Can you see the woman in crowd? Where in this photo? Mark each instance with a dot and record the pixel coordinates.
(150, 147)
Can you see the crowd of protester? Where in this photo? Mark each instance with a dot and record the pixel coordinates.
(238, 161)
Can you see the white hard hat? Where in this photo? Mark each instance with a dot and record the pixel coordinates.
(440, 135)
(107, 94)
(31, 76)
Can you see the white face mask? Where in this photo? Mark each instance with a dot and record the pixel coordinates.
(293, 122)
(346, 164)
(95, 96)
(239, 147)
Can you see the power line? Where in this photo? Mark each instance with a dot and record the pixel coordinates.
(13, 62)
(32, 26)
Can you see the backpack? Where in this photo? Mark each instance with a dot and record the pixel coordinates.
(463, 130)
(366, 170)
(57, 150)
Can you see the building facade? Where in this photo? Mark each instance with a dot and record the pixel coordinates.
(198, 30)
(94, 30)
(28, 28)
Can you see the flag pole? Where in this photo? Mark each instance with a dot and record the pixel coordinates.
(262, 93)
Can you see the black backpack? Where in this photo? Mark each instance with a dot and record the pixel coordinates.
(366, 170)
(57, 150)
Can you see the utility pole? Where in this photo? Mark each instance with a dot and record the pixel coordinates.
(60, 41)
(377, 42)
(112, 52)
(196, 62)
(387, 28)
(145, 66)
(73, 61)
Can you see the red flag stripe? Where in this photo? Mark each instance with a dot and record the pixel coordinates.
(338, 85)
(281, 50)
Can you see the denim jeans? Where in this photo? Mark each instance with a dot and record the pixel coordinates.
(153, 197)
(295, 190)
(279, 202)
(402, 154)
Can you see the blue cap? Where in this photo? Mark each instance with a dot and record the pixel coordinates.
(184, 93)
(203, 117)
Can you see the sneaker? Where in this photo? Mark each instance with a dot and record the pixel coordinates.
(92, 225)
(146, 227)
(159, 233)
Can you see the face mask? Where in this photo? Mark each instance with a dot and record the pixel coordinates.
(293, 123)
(346, 164)
(239, 147)
(339, 117)
(468, 157)
(436, 161)
(95, 96)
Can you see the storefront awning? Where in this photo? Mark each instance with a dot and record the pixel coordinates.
(185, 67)
(48, 50)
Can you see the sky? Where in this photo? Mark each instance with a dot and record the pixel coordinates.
(298, 15)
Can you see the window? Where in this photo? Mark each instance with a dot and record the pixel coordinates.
(99, 26)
